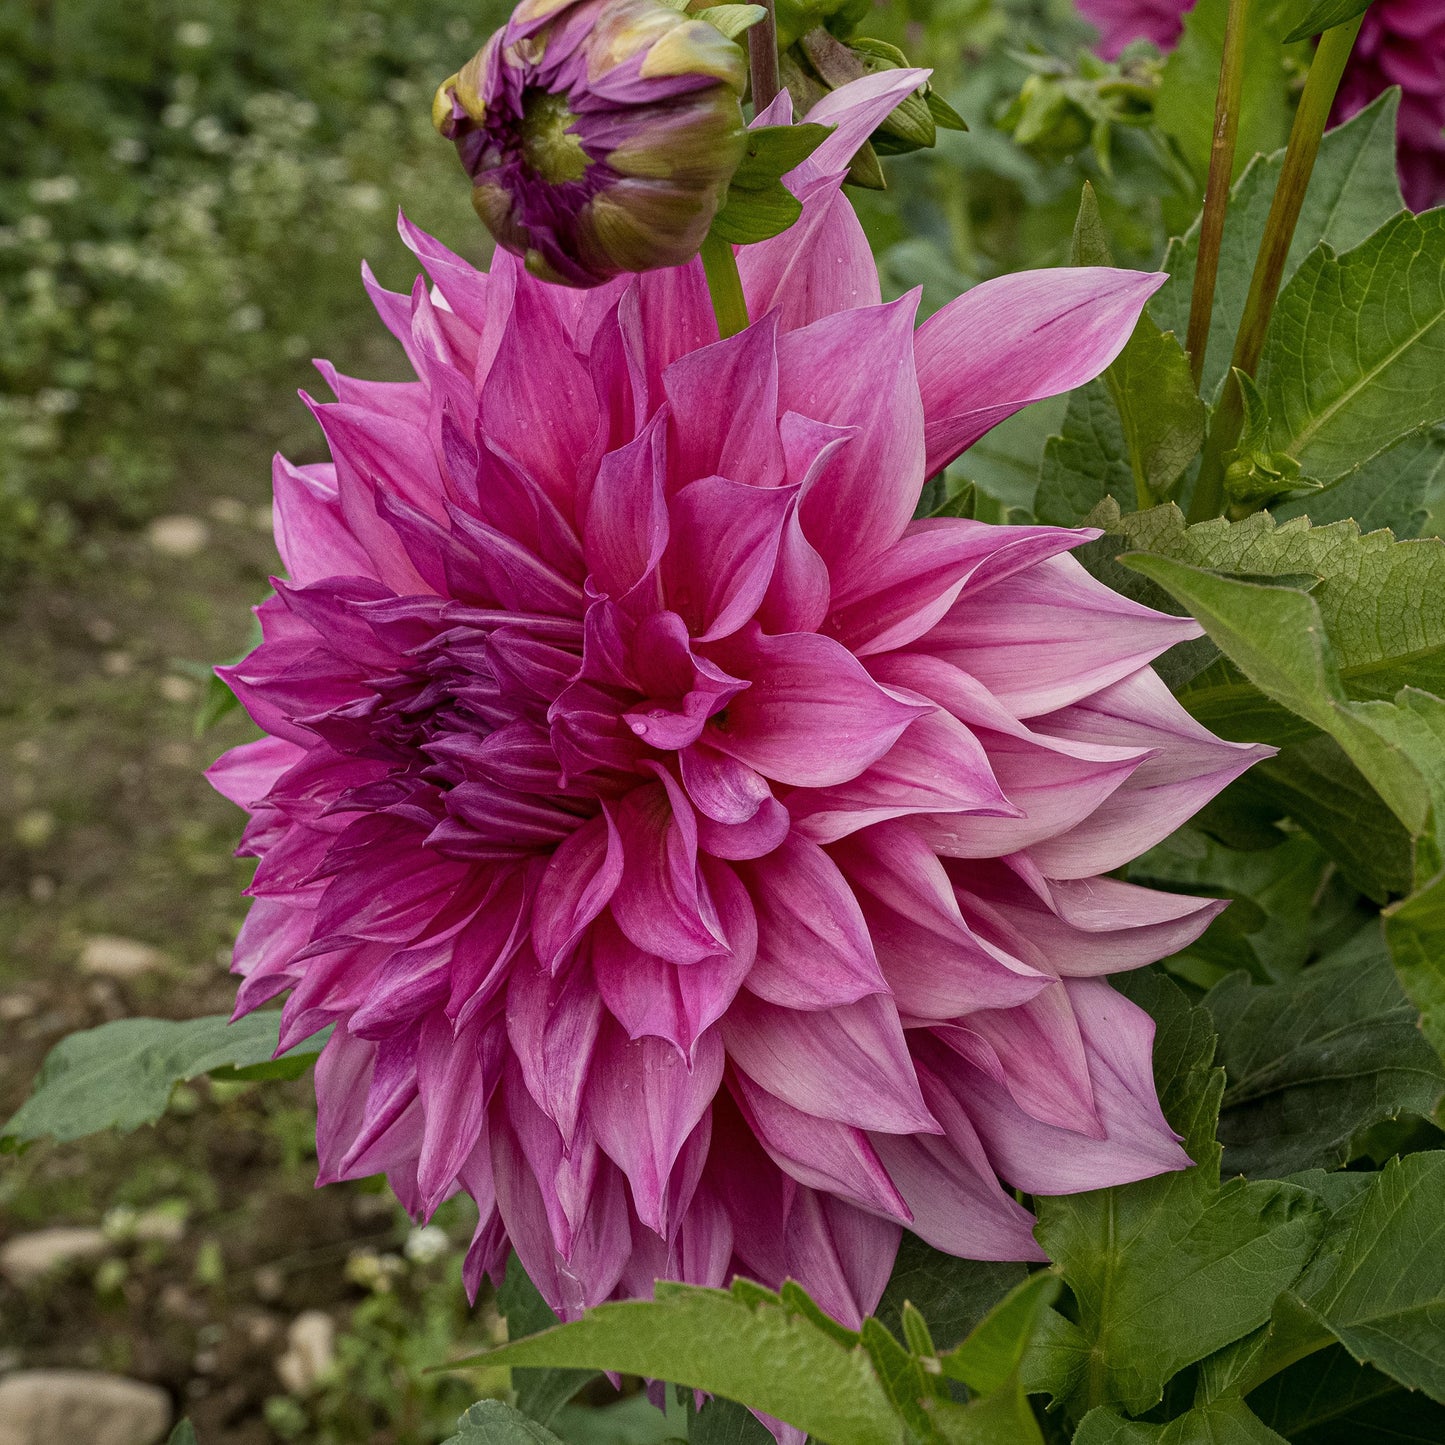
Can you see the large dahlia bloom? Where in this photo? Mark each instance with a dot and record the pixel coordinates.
(1401, 42)
(702, 862)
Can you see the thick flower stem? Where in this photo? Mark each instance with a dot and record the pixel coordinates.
(1216, 191)
(763, 57)
(1284, 212)
(724, 286)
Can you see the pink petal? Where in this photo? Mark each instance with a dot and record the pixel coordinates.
(813, 946)
(839, 1254)
(812, 716)
(1017, 339)
(866, 492)
(849, 1063)
(311, 533)
(580, 878)
(626, 524)
(643, 1101)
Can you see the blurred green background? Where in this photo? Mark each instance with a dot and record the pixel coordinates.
(187, 190)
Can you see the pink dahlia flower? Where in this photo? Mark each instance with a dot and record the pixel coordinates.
(702, 862)
(600, 135)
(1401, 42)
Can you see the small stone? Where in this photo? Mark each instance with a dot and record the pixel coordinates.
(179, 690)
(117, 663)
(264, 519)
(30, 1257)
(42, 1407)
(29, 753)
(178, 536)
(310, 1351)
(113, 957)
(101, 630)
(228, 511)
(175, 755)
(41, 888)
(165, 1224)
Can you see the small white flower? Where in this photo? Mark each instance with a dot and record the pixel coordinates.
(193, 35)
(426, 1244)
(127, 150)
(248, 318)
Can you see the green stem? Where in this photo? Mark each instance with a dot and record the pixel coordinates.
(724, 286)
(763, 57)
(1216, 191)
(1284, 212)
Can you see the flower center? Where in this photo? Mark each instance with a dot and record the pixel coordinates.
(549, 148)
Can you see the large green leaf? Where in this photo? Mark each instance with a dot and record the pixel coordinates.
(1170, 1269)
(1415, 933)
(725, 1422)
(1353, 189)
(743, 1344)
(1355, 358)
(1312, 1060)
(1325, 15)
(120, 1075)
(1329, 1399)
(1392, 489)
(952, 1294)
(540, 1393)
(1229, 1422)
(1385, 1299)
(493, 1422)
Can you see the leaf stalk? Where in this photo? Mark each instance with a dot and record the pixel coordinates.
(724, 286)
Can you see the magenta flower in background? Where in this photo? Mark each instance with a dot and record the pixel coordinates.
(600, 135)
(702, 862)
(1401, 42)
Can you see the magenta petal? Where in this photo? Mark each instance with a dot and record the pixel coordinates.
(722, 399)
(865, 494)
(848, 1063)
(552, 1024)
(312, 535)
(819, 1153)
(455, 1078)
(1042, 1159)
(661, 905)
(812, 716)
(723, 549)
(951, 1190)
(247, 773)
(813, 946)
(580, 878)
(854, 111)
(721, 788)
(1017, 339)
(626, 525)
(841, 1255)
(644, 1100)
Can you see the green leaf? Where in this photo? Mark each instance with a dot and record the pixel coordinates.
(1392, 489)
(1353, 189)
(120, 1075)
(1160, 418)
(632, 1420)
(491, 1422)
(1329, 1399)
(1254, 475)
(183, 1434)
(752, 1350)
(1382, 601)
(758, 205)
(732, 20)
(990, 1357)
(1184, 108)
(725, 1422)
(1385, 1300)
(1415, 935)
(952, 1294)
(1325, 15)
(1230, 1422)
(540, 1393)
(1355, 358)
(1170, 1269)
(1311, 1061)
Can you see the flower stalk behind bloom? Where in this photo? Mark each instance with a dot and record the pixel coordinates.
(600, 135)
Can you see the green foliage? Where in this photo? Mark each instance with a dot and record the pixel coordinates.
(494, 1422)
(1165, 1271)
(1230, 1422)
(542, 1393)
(1315, 1059)
(1415, 933)
(758, 204)
(183, 1434)
(1355, 358)
(1353, 190)
(1324, 14)
(120, 1075)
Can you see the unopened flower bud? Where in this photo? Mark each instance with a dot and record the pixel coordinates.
(600, 135)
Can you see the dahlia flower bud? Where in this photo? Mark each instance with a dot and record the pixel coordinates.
(600, 136)
(1401, 42)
